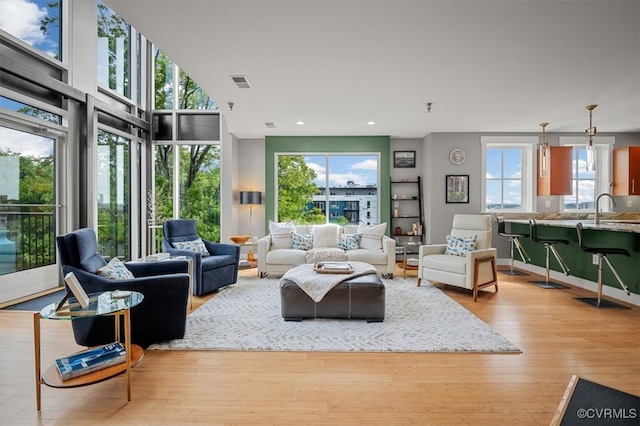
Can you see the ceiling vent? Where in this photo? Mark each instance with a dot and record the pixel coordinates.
(269, 125)
(241, 81)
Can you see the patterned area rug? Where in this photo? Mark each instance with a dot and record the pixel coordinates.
(246, 316)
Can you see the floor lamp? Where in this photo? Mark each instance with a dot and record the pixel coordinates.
(251, 198)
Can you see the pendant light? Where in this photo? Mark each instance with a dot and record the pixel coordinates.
(543, 160)
(590, 133)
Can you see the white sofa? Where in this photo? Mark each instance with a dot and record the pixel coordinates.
(276, 256)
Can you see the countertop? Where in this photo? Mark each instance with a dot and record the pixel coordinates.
(621, 222)
(604, 225)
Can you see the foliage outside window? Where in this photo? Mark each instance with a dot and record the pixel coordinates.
(37, 23)
(114, 51)
(163, 78)
(30, 110)
(198, 186)
(347, 183)
(114, 195)
(27, 199)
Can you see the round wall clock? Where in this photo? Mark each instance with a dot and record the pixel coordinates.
(457, 156)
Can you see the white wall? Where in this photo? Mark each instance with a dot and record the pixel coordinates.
(250, 176)
(432, 164)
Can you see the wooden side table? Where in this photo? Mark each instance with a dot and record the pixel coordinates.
(100, 304)
(409, 247)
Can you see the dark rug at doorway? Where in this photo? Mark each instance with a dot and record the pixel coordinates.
(36, 305)
(589, 403)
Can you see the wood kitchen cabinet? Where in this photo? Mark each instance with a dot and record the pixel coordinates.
(558, 181)
(626, 171)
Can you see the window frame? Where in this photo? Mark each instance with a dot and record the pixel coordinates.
(604, 169)
(527, 171)
(328, 193)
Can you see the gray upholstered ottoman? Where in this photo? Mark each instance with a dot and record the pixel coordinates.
(359, 298)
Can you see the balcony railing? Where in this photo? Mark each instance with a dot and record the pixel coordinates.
(27, 237)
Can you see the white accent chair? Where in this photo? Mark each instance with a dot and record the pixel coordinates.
(475, 270)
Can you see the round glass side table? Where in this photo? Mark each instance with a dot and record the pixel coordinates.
(117, 304)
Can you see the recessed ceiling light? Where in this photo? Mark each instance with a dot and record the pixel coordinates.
(300, 123)
(370, 123)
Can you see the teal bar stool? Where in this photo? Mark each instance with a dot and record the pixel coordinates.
(602, 253)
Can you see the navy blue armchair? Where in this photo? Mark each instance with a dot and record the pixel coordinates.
(161, 316)
(213, 271)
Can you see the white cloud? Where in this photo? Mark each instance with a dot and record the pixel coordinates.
(366, 165)
(25, 144)
(22, 19)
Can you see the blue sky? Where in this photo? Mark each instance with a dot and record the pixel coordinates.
(22, 19)
(360, 169)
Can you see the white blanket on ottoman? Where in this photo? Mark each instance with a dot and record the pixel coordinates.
(316, 285)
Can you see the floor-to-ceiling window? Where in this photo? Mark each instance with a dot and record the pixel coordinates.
(114, 198)
(186, 135)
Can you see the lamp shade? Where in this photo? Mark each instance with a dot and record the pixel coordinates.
(250, 197)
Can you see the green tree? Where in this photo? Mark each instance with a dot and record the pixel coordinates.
(113, 28)
(199, 164)
(296, 190)
(30, 224)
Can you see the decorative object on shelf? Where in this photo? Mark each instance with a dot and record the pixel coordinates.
(404, 159)
(457, 156)
(251, 198)
(457, 189)
(410, 234)
(396, 213)
(590, 133)
(543, 152)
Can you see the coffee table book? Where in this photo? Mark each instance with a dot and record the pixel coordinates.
(90, 360)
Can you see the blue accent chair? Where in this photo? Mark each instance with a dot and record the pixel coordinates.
(211, 272)
(161, 316)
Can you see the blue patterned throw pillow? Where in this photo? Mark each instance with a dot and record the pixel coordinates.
(195, 245)
(349, 241)
(115, 270)
(460, 246)
(302, 241)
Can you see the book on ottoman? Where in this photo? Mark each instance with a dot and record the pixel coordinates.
(91, 360)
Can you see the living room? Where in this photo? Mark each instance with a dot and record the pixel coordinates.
(588, 52)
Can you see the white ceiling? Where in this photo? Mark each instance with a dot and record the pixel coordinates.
(486, 65)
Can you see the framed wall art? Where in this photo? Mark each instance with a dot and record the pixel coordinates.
(404, 159)
(457, 189)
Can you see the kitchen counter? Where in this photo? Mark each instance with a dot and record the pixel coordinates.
(610, 232)
(621, 225)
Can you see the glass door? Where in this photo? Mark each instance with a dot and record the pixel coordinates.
(28, 215)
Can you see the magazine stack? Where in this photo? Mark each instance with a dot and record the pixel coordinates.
(91, 360)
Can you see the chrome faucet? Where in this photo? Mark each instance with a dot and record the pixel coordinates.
(613, 200)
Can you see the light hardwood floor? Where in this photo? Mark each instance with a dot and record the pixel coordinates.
(558, 336)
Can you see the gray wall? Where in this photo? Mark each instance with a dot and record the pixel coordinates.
(432, 164)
